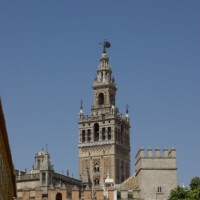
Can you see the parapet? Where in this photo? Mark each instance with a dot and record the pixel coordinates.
(166, 153)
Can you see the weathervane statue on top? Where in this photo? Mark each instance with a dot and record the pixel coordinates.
(105, 44)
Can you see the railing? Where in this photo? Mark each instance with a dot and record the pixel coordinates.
(96, 143)
(27, 177)
(106, 116)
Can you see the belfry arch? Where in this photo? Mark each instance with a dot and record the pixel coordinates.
(96, 132)
(101, 99)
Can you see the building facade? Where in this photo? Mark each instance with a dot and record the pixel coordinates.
(104, 137)
(44, 180)
(7, 177)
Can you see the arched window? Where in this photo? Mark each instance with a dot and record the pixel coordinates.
(38, 164)
(88, 135)
(83, 135)
(96, 132)
(96, 182)
(109, 133)
(101, 99)
(96, 168)
(59, 196)
(106, 76)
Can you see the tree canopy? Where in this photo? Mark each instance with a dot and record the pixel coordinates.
(180, 193)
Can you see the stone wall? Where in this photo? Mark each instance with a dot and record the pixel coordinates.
(156, 174)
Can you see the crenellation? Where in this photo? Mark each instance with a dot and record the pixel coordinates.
(172, 152)
(141, 153)
(157, 151)
(166, 153)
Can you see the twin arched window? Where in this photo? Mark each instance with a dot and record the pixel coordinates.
(96, 168)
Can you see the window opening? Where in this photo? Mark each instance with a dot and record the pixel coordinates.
(89, 135)
(96, 168)
(38, 164)
(101, 99)
(96, 132)
(59, 196)
(109, 133)
(103, 133)
(159, 189)
(96, 182)
(83, 135)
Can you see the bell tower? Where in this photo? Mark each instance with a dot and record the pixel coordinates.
(104, 137)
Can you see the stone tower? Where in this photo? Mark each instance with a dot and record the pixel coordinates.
(156, 175)
(43, 165)
(104, 137)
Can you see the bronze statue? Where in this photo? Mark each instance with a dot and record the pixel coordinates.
(105, 44)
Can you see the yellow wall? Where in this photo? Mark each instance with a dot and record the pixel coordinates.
(7, 181)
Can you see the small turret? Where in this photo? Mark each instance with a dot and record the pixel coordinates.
(127, 115)
(104, 70)
(86, 181)
(43, 164)
(81, 114)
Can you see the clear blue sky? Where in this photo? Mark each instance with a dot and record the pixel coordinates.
(49, 53)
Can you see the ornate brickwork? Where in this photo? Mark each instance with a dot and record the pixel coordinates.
(122, 151)
(117, 170)
(96, 161)
(107, 167)
(85, 163)
(102, 148)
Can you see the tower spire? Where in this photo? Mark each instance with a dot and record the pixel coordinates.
(81, 107)
(126, 108)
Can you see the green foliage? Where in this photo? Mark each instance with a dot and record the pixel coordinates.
(178, 193)
(194, 194)
(130, 195)
(118, 194)
(195, 183)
